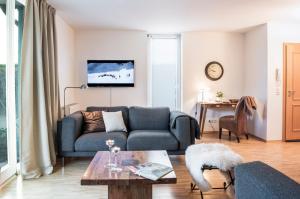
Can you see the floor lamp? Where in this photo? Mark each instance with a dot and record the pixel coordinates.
(82, 87)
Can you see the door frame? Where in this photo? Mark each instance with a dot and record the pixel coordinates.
(178, 72)
(284, 89)
(284, 79)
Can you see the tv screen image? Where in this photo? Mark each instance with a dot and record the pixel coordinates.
(110, 73)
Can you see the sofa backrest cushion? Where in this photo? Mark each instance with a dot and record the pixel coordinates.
(141, 118)
(124, 109)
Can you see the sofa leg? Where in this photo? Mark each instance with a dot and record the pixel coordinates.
(220, 133)
(229, 135)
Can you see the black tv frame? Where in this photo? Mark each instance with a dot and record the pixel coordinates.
(111, 84)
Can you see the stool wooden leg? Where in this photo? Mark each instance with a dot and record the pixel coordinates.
(229, 135)
(238, 139)
(220, 133)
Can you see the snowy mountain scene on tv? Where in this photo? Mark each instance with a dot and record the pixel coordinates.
(106, 73)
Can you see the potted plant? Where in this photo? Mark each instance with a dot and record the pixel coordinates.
(219, 96)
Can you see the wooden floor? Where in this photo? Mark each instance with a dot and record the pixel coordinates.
(65, 182)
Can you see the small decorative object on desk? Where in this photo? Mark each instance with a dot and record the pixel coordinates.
(219, 96)
(115, 151)
(110, 144)
(233, 100)
(150, 170)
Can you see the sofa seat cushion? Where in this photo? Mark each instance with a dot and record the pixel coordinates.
(151, 140)
(96, 141)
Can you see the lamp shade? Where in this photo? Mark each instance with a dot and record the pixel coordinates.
(202, 94)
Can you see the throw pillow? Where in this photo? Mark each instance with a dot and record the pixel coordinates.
(93, 122)
(113, 121)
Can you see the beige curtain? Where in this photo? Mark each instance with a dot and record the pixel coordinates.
(40, 106)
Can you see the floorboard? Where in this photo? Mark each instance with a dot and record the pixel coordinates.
(65, 182)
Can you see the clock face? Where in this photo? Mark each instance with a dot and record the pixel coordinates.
(214, 71)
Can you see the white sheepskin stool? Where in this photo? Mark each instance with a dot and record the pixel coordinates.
(215, 155)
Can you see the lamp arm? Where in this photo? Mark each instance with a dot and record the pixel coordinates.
(65, 97)
(71, 87)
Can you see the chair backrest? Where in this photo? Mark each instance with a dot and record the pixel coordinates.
(238, 109)
(244, 108)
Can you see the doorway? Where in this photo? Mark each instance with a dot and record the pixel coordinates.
(291, 101)
(164, 71)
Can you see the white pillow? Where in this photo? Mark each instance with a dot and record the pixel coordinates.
(113, 121)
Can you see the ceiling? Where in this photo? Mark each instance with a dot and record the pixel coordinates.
(162, 16)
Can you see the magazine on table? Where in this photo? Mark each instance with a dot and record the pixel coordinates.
(151, 170)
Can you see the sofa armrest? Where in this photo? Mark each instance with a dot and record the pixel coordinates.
(69, 131)
(180, 126)
(260, 181)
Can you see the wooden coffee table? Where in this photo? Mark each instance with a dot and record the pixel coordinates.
(125, 184)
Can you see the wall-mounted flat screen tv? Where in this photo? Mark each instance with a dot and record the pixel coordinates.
(110, 73)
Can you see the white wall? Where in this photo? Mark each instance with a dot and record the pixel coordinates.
(263, 56)
(110, 45)
(200, 48)
(244, 57)
(278, 34)
(66, 55)
(255, 77)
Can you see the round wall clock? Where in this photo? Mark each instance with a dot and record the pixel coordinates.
(214, 71)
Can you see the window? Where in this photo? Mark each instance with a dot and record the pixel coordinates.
(165, 71)
(11, 27)
(3, 57)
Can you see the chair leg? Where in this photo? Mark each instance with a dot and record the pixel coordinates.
(247, 137)
(220, 133)
(238, 139)
(63, 162)
(229, 135)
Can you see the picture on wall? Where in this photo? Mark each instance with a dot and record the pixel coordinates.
(110, 73)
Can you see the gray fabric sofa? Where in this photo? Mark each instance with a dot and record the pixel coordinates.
(260, 181)
(148, 129)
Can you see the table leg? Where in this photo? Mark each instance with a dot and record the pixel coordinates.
(200, 119)
(203, 118)
(130, 192)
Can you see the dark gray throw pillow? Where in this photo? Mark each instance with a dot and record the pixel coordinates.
(93, 122)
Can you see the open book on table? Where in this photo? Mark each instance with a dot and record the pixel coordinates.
(151, 170)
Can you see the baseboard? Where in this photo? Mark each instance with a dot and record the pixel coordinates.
(257, 138)
(250, 135)
(264, 140)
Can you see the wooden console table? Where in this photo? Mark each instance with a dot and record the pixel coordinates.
(213, 105)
